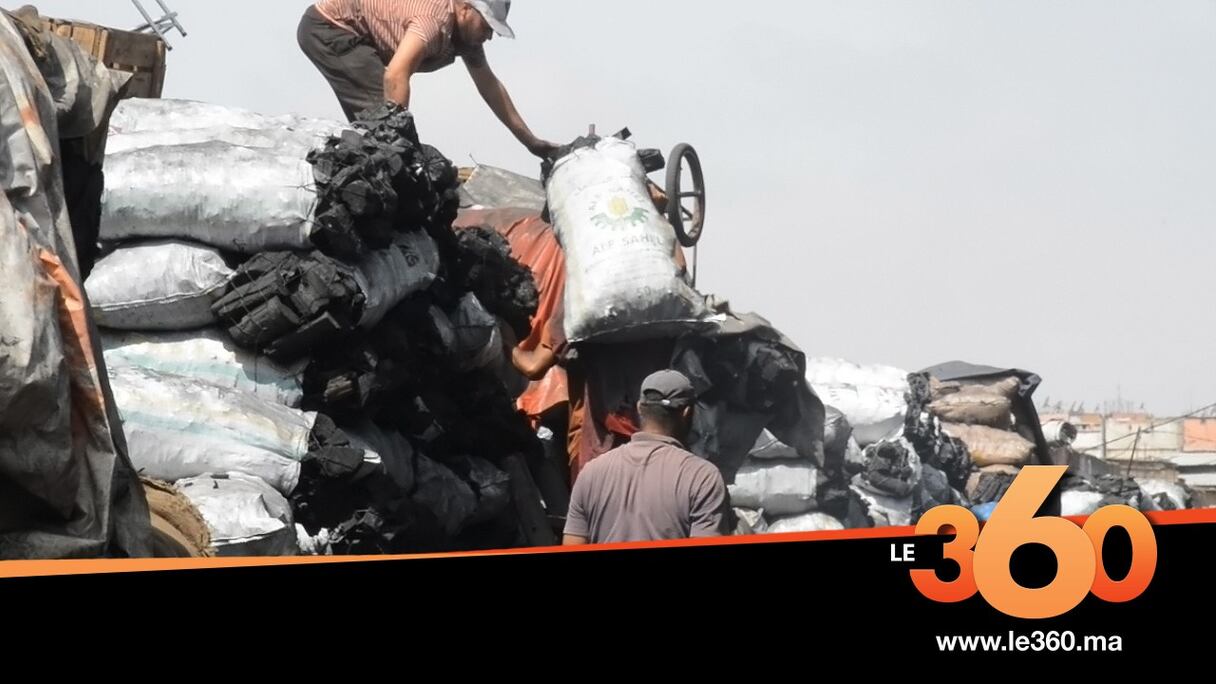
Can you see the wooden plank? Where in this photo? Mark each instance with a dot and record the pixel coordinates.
(103, 44)
(126, 49)
(92, 38)
(136, 53)
(88, 36)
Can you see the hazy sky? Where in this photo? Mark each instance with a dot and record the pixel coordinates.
(1025, 183)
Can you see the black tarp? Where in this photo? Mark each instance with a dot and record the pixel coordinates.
(749, 377)
(67, 487)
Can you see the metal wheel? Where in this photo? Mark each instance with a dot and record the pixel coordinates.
(688, 221)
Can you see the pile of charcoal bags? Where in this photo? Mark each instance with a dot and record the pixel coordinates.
(298, 339)
(898, 444)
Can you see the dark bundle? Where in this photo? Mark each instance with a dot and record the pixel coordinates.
(747, 379)
(1116, 489)
(484, 266)
(889, 469)
(351, 378)
(377, 180)
(991, 487)
(286, 304)
(935, 448)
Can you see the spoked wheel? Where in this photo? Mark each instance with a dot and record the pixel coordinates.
(686, 205)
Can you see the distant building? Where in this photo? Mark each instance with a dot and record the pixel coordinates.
(1150, 447)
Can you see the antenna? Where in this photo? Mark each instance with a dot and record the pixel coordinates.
(161, 26)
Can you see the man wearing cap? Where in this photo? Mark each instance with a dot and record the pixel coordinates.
(369, 50)
(652, 488)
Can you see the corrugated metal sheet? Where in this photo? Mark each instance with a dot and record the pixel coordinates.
(1199, 435)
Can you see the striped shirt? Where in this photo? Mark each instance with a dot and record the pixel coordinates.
(386, 22)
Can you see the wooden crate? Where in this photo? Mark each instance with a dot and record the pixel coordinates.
(141, 54)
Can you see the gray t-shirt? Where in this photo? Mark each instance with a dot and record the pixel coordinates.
(648, 490)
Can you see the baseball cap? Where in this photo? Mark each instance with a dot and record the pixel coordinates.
(668, 388)
(495, 12)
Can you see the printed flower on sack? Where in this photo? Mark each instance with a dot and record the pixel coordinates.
(618, 214)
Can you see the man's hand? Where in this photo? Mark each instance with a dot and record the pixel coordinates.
(495, 94)
(534, 364)
(658, 197)
(542, 148)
